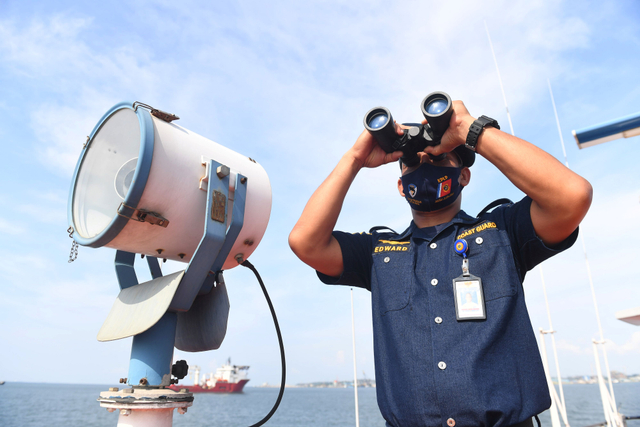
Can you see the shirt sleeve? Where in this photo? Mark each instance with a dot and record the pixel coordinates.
(528, 249)
(356, 258)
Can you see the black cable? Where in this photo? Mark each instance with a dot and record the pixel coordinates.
(282, 358)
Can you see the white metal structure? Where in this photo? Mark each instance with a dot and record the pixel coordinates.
(624, 127)
(355, 369)
(557, 401)
(630, 315)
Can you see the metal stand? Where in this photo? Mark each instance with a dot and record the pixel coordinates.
(148, 402)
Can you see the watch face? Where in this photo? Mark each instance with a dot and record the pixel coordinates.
(488, 121)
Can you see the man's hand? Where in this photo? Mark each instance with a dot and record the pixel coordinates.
(367, 153)
(561, 198)
(456, 133)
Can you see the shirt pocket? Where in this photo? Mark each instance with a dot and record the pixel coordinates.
(491, 259)
(392, 279)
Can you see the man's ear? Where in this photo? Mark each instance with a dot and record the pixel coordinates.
(400, 187)
(465, 176)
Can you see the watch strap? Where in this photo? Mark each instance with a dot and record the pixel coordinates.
(476, 129)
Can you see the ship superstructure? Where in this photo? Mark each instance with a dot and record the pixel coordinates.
(228, 378)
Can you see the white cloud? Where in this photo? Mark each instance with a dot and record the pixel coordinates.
(10, 228)
(62, 131)
(53, 55)
(44, 48)
(275, 61)
(15, 265)
(47, 208)
(631, 346)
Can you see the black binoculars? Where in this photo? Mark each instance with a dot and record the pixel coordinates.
(436, 108)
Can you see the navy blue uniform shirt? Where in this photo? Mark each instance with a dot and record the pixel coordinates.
(432, 370)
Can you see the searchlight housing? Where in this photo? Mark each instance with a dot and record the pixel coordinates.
(144, 185)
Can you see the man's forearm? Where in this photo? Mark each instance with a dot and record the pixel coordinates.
(311, 238)
(561, 197)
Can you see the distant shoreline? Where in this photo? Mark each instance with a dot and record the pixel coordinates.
(371, 384)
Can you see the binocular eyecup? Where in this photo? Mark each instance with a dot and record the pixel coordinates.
(436, 108)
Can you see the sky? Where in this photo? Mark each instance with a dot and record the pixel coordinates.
(288, 83)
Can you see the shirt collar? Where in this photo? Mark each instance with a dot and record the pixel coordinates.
(460, 218)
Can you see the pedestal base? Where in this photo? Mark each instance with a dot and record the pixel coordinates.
(145, 407)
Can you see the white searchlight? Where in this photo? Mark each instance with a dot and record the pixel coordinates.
(144, 185)
(138, 170)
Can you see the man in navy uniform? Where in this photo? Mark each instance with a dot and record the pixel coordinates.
(436, 365)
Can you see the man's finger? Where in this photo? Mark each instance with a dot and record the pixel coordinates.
(392, 157)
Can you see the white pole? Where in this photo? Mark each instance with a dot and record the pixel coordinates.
(145, 407)
(146, 418)
(561, 403)
(499, 78)
(355, 369)
(593, 293)
(603, 388)
(553, 410)
(566, 162)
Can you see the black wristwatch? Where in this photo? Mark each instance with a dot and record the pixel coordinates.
(476, 129)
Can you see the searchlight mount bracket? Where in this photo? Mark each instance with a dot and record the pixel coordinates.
(187, 309)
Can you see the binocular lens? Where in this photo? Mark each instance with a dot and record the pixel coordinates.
(378, 121)
(437, 106)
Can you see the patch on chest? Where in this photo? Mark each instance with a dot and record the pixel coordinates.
(391, 246)
(486, 225)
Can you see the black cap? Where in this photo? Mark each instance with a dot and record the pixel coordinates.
(466, 156)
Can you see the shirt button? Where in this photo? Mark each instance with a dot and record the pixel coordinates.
(387, 259)
(451, 422)
(442, 365)
(479, 240)
(438, 320)
(433, 245)
(434, 282)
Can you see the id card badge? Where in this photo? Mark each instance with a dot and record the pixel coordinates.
(467, 291)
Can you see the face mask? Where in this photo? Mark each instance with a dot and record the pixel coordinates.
(430, 188)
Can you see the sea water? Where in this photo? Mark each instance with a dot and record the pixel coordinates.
(31, 405)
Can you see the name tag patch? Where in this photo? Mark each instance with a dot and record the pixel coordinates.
(391, 246)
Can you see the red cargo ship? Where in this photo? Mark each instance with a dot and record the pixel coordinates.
(227, 379)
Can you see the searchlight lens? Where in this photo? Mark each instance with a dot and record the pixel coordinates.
(437, 106)
(111, 159)
(378, 121)
(124, 177)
